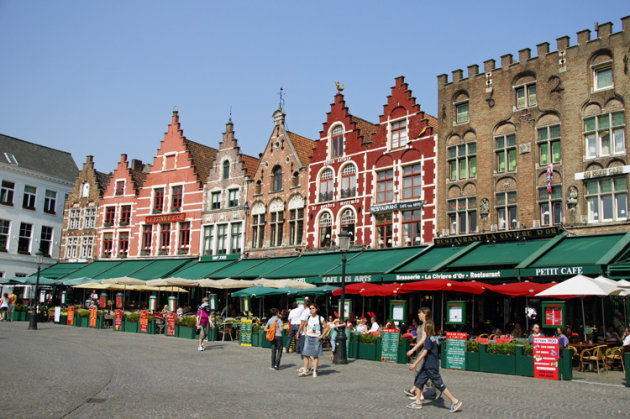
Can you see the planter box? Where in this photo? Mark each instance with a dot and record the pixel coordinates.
(82, 321)
(256, 339)
(353, 348)
(626, 360)
(472, 361)
(495, 363)
(130, 327)
(524, 364)
(368, 351)
(19, 316)
(63, 319)
(263, 339)
(186, 332)
(403, 348)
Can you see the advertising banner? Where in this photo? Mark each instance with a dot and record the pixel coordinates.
(92, 316)
(70, 315)
(144, 321)
(546, 355)
(119, 300)
(118, 319)
(170, 324)
(57, 314)
(389, 342)
(246, 332)
(456, 350)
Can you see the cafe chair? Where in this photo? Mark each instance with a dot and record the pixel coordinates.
(614, 356)
(226, 330)
(575, 355)
(596, 355)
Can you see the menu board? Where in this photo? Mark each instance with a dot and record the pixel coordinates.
(389, 342)
(57, 314)
(553, 314)
(144, 321)
(117, 319)
(546, 354)
(455, 312)
(246, 332)
(170, 324)
(92, 316)
(456, 350)
(70, 320)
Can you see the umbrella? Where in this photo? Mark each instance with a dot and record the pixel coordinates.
(385, 290)
(443, 285)
(519, 289)
(124, 280)
(76, 281)
(355, 288)
(178, 282)
(282, 283)
(326, 289)
(27, 280)
(92, 285)
(225, 283)
(256, 292)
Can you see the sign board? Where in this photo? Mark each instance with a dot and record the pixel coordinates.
(245, 334)
(92, 316)
(102, 300)
(57, 314)
(213, 301)
(398, 206)
(246, 304)
(345, 309)
(455, 312)
(70, 321)
(170, 324)
(119, 303)
(497, 237)
(553, 314)
(144, 321)
(168, 218)
(546, 354)
(398, 310)
(389, 345)
(118, 319)
(456, 350)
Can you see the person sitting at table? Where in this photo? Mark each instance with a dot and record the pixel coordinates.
(517, 332)
(362, 327)
(612, 337)
(536, 333)
(626, 340)
(179, 313)
(165, 310)
(599, 336)
(375, 329)
(563, 340)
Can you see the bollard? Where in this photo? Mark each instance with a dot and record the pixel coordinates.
(565, 367)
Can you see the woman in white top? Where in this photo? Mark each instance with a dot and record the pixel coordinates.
(316, 328)
(362, 327)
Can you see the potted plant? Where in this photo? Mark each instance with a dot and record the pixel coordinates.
(83, 318)
(186, 327)
(368, 345)
(256, 334)
(131, 322)
(20, 312)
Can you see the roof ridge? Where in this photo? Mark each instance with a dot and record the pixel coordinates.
(35, 144)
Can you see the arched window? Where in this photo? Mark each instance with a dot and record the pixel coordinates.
(277, 178)
(325, 230)
(258, 188)
(348, 221)
(349, 181)
(226, 169)
(326, 185)
(296, 179)
(337, 141)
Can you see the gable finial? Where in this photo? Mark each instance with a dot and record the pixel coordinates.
(281, 94)
(340, 87)
(230, 118)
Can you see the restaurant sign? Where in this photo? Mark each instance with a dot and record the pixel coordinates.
(561, 271)
(610, 171)
(397, 206)
(499, 236)
(456, 350)
(165, 218)
(336, 279)
(467, 275)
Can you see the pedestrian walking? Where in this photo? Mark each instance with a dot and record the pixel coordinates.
(302, 330)
(430, 370)
(424, 315)
(316, 329)
(4, 306)
(12, 300)
(203, 322)
(294, 321)
(275, 322)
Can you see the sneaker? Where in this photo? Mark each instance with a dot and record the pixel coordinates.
(302, 374)
(413, 397)
(301, 369)
(414, 405)
(201, 348)
(455, 406)
(409, 393)
(276, 368)
(438, 394)
(272, 368)
(314, 374)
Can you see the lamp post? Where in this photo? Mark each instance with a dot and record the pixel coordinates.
(341, 356)
(39, 259)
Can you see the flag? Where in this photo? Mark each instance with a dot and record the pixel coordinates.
(549, 176)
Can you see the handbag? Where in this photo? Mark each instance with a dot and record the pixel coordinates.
(271, 333)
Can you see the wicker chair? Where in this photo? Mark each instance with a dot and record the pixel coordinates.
(614, 356)
(596, 355)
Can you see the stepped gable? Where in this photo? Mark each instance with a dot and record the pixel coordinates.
(303, 147)
(102, 180)
(366, 128)
(339, 112)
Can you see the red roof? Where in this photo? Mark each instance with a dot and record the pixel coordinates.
(303, 147)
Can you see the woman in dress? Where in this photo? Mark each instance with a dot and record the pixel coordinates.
(316, 328)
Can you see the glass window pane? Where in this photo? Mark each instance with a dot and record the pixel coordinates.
(472, 220)
(589, 124)
(472, 148)
(462, 169)
(512, 156)
(452, 151)
(557, 212)
(603, 122)
(513, 220)
(542, 134)
(604, 138)
(544, 214)
(622, 205)
(453, 170)
(500, 142)
(501, 161)
(607, 207)
(452, 205)
(593, 209)
(461, 150)
(605, 185)
(511, 197)
(520, 97)
(501, 218)
(555, 151)
(532, 94)
(542, 194)
(591, 145)
(620, 184)
(472, 202)
(473, 166)
(500, 198)
(554, 131)
(619, 140)
(511, 140)
(604, 78)
(591, 188)
(617, 119)
(544, 153)
(556, 192)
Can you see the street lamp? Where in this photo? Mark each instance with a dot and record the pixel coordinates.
(341, 356)
(39, 259)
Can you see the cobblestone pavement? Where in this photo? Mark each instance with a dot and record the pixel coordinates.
(55, 371)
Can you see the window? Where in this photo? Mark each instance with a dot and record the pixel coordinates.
(236, 236)
(348, 181)
(222, 239)
(296, 179)
(177, 195)
(604, 135)
(277, 179)
(24, 239)
(462, 215)
(108, 245)
(506, 210)
(45, 240)
(208, 238)
(90, 218)
(72, 245)
(258, 231)
(123, 245)
(337, 142)
(607, 199)
(296, 226)
(158, 200)
(525, 96)
(10, 158)
(74, 219)
(550, 205)
(505, 150)
(120, 187)
(384, 230)
(147, 237)
(549, 144)
(348, 221)
(226, 169)
(412, 181)
(258, 188)
(110, 215)
(29, 197)
(165, 236)
(4, 235)
(603, 77)
(233, 198)
(6, 193)
(50, 201)
(462, 161)
(325, 230)
(461, 112)
(326, 182)
(85, 190)
(412, 227)
(215, 200)
(125, 215)
(87, 247)
(276, 226)
(399, 133)
(184, 236)
(385, 186)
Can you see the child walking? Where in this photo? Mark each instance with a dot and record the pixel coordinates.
(430, 370)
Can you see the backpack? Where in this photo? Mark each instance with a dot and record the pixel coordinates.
(271, 333)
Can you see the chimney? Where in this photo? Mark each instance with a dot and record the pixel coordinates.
(506, 60)
(136, 164)
(563, 42)
(473, 70)
(543, 49)
(488, 66)
(89, 159)
(123, 158)
(524, 55)
(278, 117)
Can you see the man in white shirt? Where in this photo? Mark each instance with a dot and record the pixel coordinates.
(626, 340)
(294, 319)
(375, 327)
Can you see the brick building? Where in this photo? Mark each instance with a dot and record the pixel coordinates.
(225, 198)
(81, 214)
(375, 181)
(278, 194)
(539, 141)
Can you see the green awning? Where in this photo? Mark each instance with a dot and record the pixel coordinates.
(233, 270)
(428, 260)
(60, 270)
(576, 250)
(308, 265)
(376, 261)
(255, 292)
(126, 268)
(266, 269)
(93, 269)
(200, 270)
(160, 268)
(496, 255)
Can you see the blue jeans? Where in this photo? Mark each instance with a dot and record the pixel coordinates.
(292, 332)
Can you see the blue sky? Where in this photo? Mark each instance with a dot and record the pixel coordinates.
(102, 77)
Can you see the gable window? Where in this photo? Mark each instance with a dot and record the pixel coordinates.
(120, 188)
(412, 227)
(184, 236)
(548, 141)
(29, 197)
(50, 201)
(258, 230)
(215, 200)
(233, 198)
(226, 169)
(177, 196)
(296, 226)
(276, 228)
(87, 247)
(165, 236)
(384, 230)
(296, 179)
(325, 230)
(6, 193)
(550, 205)
(72, 245)
(24, 238)
(258, 188)
(604, 134)
(399, 133)
(461, 112)
(505, 150)
(525, 96)
(277, 179)
(158, 200)
(85, 190)
(90, 218)
(110, 215)
(385, 185)
(108, 245)
(349, 181)
(412, 181)
(462, 215)
(74, 219)
(462, 161)
(208, 239)
(236, 235)
(337, 141)
(348, 222)
(4, 235)
(125, 215)
(506, 210)
(603, 77)
(326, 182)
(607, 199)
(123, 245)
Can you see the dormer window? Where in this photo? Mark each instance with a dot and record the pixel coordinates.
(337, 141)
(277, 179)
(10, 158)
(399, 133)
